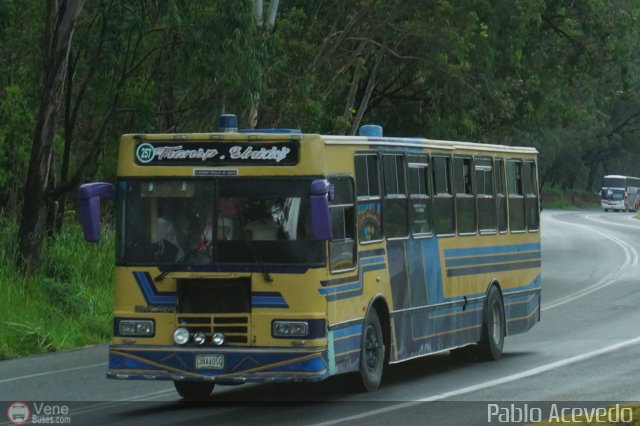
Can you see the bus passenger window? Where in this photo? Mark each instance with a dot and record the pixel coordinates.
(369, 206)
(342, 246)
(501, 197)
(465, 199)
(531, 193)
(395, 199)
(443, 209)
(420, 207)
(485, 197)
(516, 196)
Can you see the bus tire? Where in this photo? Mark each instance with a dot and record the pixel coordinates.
(371, 352)
(493, 327)
(194, 391)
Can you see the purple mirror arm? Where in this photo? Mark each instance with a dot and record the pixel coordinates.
(320, 217)
(90, 195)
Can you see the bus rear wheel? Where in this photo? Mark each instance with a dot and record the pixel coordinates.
(493, 327)
(194, 391)
(371, 353)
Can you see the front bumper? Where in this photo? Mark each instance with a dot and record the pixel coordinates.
(241, 364)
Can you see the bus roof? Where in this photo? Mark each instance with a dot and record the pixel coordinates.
(424, 143)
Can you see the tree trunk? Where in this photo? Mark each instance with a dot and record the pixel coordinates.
(367, 95)
(62, 16)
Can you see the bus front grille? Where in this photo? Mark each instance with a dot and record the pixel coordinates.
(234, 327)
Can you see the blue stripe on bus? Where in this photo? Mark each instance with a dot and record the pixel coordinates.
(330, 292)
(346, 331)
(482, 260)
(373, 252)
(476, 251)
(268, 299)
(500, 267)
(149, 291)
(153, 297)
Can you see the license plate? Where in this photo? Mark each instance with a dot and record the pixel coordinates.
(210, 361)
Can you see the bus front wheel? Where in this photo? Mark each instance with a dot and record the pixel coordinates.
(493, 327)
(371, 352)
(194, 391)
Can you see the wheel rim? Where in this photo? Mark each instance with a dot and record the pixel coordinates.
(496, 326)
(371, 348)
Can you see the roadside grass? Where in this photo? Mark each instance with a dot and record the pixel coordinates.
(556, 198)
(66, 304)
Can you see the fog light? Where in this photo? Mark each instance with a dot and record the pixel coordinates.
(218, 338)
(143, 328)
(199, 338)
(181, 336)
(290, 329)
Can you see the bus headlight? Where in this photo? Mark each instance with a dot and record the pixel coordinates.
(181, 336)
(218, 338)
(290, 329)
(199, 338)
(139, 328)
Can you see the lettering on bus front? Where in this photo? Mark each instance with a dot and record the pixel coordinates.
(217, 153)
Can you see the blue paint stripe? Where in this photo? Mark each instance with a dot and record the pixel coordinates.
(346, 331)
(149, 291)
(354, 285)
(272, 306)
(139, 280)
(474, 251)
(368, 253)
(330, 290)
(468, 261)
(154, 289)
(347, 295)
(501, 267)
(347, 345)
(371, 260)
(268, 300)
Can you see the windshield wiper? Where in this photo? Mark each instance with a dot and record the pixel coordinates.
(183, 259)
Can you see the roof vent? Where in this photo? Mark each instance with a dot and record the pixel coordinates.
(371, 130)
(228, 123)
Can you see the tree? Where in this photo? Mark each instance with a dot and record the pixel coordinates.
(61, 20)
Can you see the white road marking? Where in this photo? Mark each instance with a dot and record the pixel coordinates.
(46, 373)
(631, 260)
(490, 383)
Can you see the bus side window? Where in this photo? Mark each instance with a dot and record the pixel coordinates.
(531, 193)
(444, 211)
(485, 194)
(501, 196)
(420, 205)
(342, 246)
(515, 182)
(465, 198)
(369, 206)
(395, 198)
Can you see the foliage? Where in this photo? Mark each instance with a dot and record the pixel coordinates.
(66, 304)
(556, 74)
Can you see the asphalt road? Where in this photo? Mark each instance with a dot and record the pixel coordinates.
(584, 353)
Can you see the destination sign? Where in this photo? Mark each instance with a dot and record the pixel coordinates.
(217, 153)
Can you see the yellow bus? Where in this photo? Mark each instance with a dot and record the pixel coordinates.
(272, 255)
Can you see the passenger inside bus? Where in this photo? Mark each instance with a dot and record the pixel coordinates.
(170, 248)
(261, 224)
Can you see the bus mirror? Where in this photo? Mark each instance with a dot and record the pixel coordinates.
(320, 217)
(90, 194)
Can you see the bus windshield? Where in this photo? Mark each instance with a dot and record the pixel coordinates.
(208, 222)
(614, 182)
(613, 194)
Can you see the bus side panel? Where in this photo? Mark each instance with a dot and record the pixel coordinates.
(419, 325)
(348, 297)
